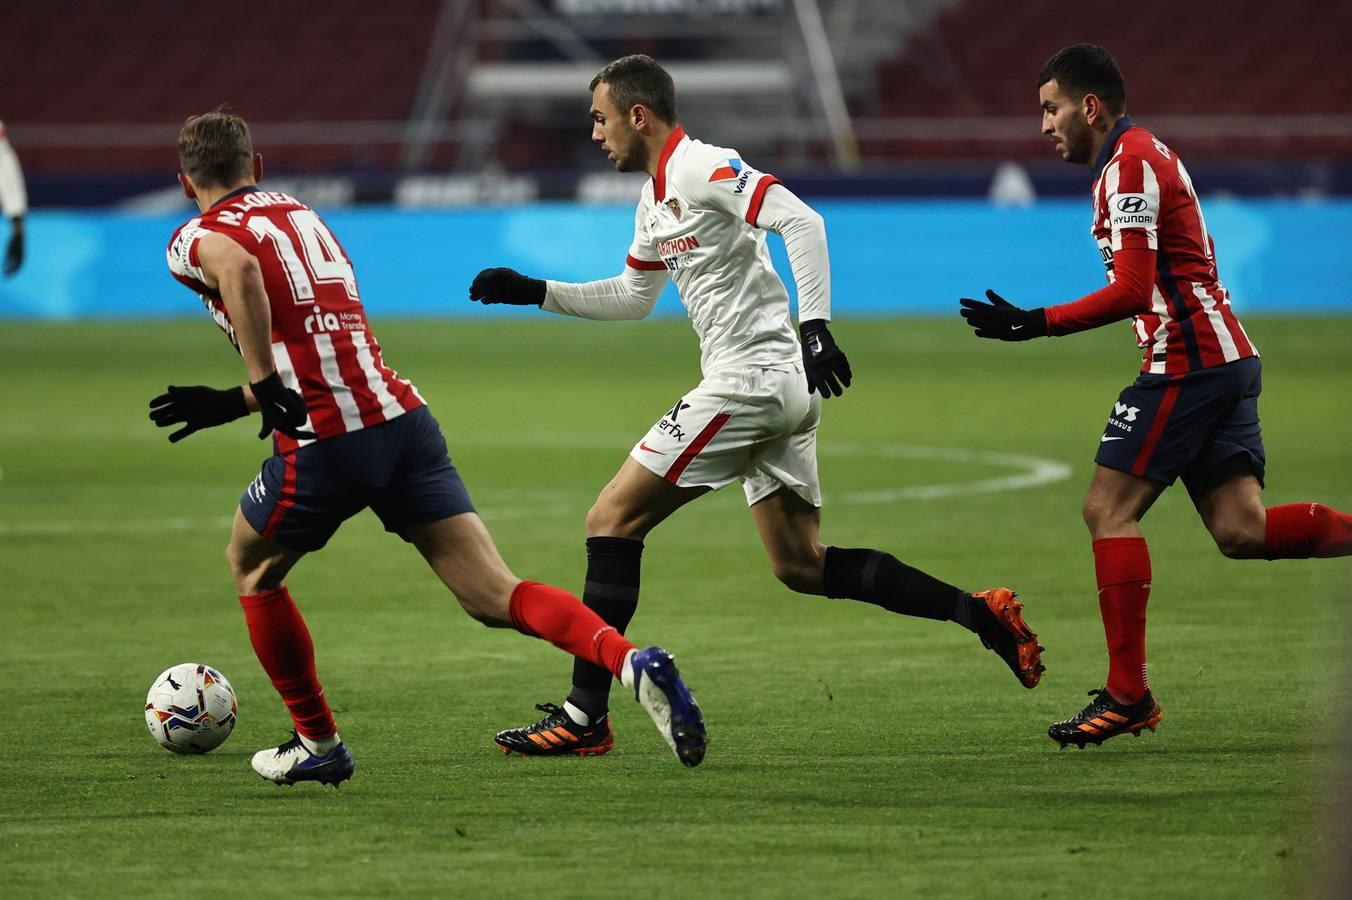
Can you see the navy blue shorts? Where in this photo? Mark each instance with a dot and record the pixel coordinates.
(1164, 426)
(400, 469)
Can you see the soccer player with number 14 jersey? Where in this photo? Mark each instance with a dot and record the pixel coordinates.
(351, 434)
(1192, 412)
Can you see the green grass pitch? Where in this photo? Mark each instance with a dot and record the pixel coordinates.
(853, 753)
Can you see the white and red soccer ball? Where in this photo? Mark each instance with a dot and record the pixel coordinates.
(191, 708)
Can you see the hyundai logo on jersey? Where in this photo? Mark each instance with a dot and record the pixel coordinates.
(1131, 204)
(731, 170)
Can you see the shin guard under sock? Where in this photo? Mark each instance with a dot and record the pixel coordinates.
(1305, 530)
(282, 644)
(881, 579)
(554, 615)
(1122, 567)
(611, 591)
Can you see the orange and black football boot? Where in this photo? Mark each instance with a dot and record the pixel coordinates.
(998, 617)
(1105, 718)
(557, 735)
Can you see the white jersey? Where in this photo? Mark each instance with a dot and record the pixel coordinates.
(700, 220)
(13, 198)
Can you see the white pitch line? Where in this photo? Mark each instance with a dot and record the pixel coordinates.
(1036, 472)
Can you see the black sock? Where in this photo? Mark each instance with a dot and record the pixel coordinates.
(881, 579)
(611, 592)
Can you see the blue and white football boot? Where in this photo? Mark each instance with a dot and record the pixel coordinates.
(293, 762)
(653, 677)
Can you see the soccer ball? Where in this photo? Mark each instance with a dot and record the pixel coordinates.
(191, 708)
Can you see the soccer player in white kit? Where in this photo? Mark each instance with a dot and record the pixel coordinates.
(753, 418)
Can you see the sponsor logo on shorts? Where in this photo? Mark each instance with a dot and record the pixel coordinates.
(669, 425)
(1120, 412)
(257, 490)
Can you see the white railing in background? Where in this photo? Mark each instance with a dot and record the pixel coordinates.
(913, 129)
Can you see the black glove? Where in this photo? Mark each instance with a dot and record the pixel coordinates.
(823, 361)
(197, 408)
(14, 252)
(1003, 321)
(282, 408)
(506, 286)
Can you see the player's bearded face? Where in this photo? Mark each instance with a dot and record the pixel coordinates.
(630, 153)
(1063, 122)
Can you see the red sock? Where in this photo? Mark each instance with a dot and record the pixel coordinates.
(282, 643)
(1304, 530)
(1123, 569)
(555, 615)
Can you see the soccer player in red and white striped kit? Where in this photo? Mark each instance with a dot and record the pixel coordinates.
(1192, 412)
(351, 434)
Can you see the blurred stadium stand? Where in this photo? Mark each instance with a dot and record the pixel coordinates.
(440, 102)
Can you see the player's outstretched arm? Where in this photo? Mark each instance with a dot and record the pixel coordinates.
(630, 295)
(1003, 321)
(234, 272)
(1128, 295)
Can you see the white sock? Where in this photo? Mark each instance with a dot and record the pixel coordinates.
(627, 671)
(321, 746)
(576, 714)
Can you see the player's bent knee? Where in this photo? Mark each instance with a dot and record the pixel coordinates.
(1092, 512)
(1238, 543)
(255, 574)
(1105, 520)
(798, 575)
(487, 603)
(474, 612)
(240, 570)
(609, 520)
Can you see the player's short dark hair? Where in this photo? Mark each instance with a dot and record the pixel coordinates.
(639, 80)
(215, 149)
(1087, 69)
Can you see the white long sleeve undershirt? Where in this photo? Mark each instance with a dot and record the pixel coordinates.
(804, 234)
(630, 295)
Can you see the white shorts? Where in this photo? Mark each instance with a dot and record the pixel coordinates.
(757, 426)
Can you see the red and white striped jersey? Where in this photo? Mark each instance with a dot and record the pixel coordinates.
(1143, 198)
(322, 345)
